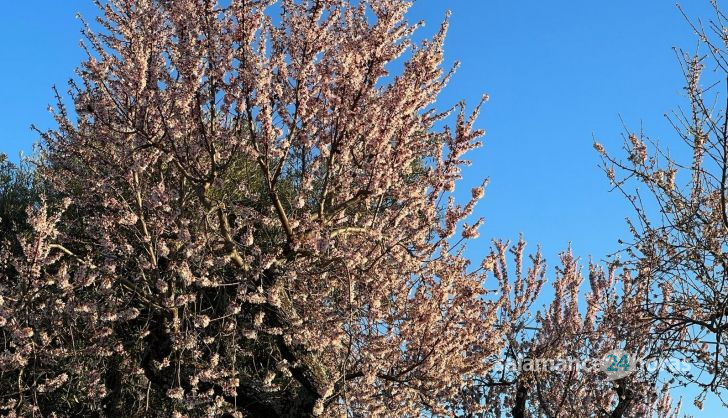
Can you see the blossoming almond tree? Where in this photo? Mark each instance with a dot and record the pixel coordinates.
(251, 217)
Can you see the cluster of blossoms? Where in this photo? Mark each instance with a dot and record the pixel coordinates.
(568, 331)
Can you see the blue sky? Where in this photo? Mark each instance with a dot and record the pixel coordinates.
(558, 73)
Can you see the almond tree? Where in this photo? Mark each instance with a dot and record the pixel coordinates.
(680, 225)
(251, 217)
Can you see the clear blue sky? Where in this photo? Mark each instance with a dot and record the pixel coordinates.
(557, 73)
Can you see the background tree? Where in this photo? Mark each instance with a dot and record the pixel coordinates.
(679, 248)
(18, 190)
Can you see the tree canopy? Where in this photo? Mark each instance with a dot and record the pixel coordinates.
(247, 209)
